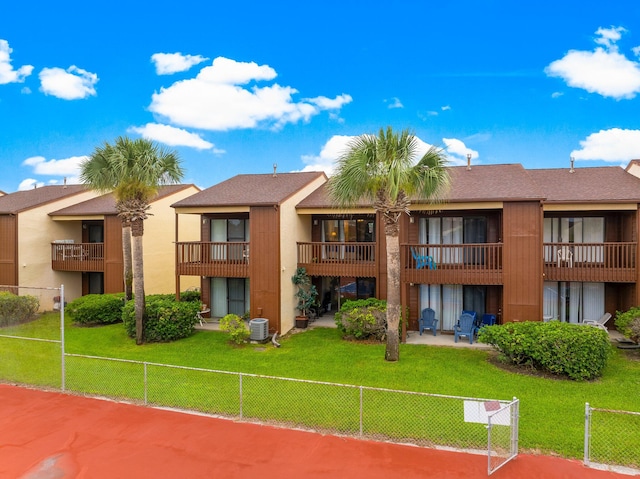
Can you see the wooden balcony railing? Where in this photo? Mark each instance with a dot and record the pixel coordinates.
(601, 262)
(338, 259)
(477, 263)
(226, 259)
(88, 257)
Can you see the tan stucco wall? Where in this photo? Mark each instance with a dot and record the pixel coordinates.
(159, 246)
(293, 228)
(36, 232)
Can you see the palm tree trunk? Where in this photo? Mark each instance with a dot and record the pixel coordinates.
(127, 260)
(138, 279)
(392, 352)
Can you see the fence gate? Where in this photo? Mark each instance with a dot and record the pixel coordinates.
(502, 434)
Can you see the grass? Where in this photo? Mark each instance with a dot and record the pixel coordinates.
(551, 410)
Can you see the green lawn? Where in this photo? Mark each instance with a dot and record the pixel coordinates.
(551, 410)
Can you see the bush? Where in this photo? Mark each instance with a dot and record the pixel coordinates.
(624, 320)
(577, 351)
(16, 309)
(234, 325)
(94, 309)
(634, 327)
(190, 295)
(165, 318)
(363, 319)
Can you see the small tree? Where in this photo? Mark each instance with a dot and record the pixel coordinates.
(307, 293)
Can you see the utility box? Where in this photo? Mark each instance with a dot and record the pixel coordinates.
(259, 329)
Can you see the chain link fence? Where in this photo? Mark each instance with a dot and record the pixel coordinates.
(482, 426)
(612, 439)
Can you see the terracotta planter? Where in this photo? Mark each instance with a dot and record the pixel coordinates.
(302, 322)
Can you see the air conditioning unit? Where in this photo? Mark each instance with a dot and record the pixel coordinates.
(259, 329)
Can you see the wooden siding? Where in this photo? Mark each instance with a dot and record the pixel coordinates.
(479, 263)
(522, 261)
(221, 259)
(87, 257)
(265, 273)
(338, 259)
(113, 261)
(8, 249)
(598, 262)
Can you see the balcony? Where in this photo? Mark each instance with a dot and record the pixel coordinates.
(85, 257)
(479, 263)
(226, 260)
(597, 262)
(338, 259)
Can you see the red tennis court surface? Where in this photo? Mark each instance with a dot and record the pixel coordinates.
(49, 435)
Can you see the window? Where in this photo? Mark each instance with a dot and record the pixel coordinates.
(449, 300)
(575, 230)
(573, 302)
(453, 230)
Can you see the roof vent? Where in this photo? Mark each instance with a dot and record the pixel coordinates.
(468, 161)
(571, 170)
(275, 167)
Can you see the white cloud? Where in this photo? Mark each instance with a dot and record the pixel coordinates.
(394, 103)
(168, 63)
(72, 84)
(329, 153)
(171, 136)
(29, 184)
(604, 71)
(615, 145)
(66, 167)
(336, 146)
(556, 94)
(636, 51)
(7, 73)
(445, 108)
(215, 100)
(457, 151)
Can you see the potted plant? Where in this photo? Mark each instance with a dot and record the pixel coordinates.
(307, 294)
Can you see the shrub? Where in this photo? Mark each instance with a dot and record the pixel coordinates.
(165, 318)
(576, 351)
(190, 295)
(16, 309)
(634, 327)
(624, 320)
(363, 319)
(234, 325)
(95, 309)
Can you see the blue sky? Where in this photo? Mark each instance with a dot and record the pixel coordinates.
(238, 87)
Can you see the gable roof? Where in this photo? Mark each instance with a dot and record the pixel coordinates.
(20, 201)
(106, 204)
(481, 183)
(604, 184)
(251, 190)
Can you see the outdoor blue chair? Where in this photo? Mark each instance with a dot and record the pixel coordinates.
(476, 320)
(488, 320)
(466, 327)
(422, 260)
(428, 321)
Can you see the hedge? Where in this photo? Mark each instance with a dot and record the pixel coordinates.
(577, 351)
(94, 309)
(165, 318)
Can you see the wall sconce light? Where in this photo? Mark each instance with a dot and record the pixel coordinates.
(411, 284)
(315, 222)
(411, 219)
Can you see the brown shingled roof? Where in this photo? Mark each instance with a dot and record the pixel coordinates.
(588, 185)
(480, 183)
(106, 204)
(25, 200)
(251, 190)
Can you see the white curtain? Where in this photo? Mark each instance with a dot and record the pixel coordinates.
(592, 301)
(451, 305)
(218, 296)
(452, 235)
(551, 234)
(218, 235)
(550, 301)
(593, 232)
(435, 237)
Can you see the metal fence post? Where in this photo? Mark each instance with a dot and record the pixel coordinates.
(361, 407)
(240, 376)
(145, 384)
(62, 352)
(587, 433)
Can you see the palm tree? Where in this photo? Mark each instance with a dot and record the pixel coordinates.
(386, 171)
(133, 170)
